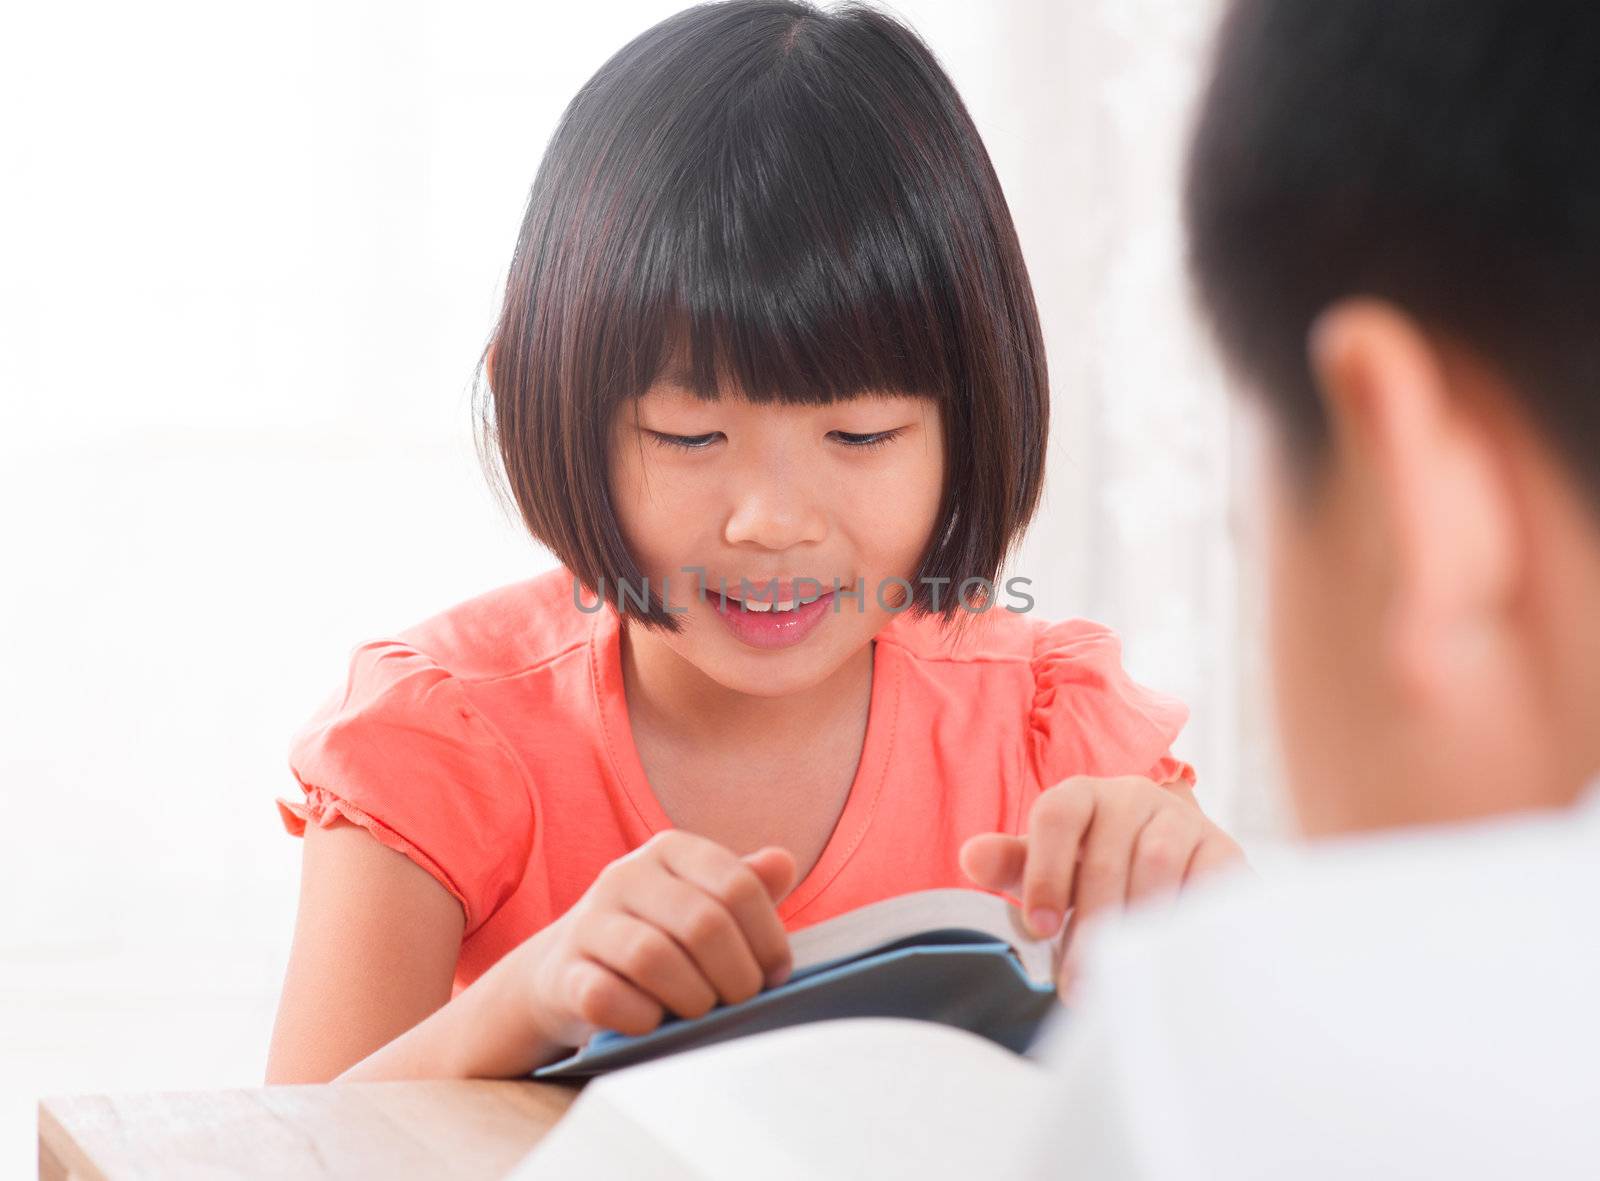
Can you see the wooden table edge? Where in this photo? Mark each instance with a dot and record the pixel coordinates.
(63, 1156)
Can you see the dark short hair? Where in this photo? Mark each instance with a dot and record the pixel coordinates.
(1444, 156)
(799, 199)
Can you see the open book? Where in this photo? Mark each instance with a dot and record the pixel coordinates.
(862, 1097)
(957, 957)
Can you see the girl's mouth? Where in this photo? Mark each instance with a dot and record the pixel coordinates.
(772, 625)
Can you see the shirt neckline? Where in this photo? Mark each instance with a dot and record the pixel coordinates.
(605, 652)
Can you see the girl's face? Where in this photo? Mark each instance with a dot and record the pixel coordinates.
(847, 492)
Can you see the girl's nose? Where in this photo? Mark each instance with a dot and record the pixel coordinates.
(775, 514)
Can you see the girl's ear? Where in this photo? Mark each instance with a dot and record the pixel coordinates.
(488, 362)
(1423, 463)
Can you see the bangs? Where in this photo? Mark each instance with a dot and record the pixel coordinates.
(778, 319)
(825, 279)
(790, 235)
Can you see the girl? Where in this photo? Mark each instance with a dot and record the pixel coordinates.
(769, 382)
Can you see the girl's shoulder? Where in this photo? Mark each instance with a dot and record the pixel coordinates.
(998, 636)
(1083, 714)
(509, 629)
(435, 674)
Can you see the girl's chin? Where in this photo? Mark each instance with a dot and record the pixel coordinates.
(773, 673)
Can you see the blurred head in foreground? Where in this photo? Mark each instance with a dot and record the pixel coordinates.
(1394, 219)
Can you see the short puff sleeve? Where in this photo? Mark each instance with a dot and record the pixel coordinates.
(1090, 718)
(404, 753)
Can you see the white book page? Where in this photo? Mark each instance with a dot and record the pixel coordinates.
(858, 1097)
(905, 915)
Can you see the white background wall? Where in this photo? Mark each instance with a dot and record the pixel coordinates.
(248, 256)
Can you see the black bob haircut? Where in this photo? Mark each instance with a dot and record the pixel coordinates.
(788, 201)
(1442, 155)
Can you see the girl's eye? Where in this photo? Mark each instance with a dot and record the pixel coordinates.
(686, 442)
(869, 441)
(855, 441)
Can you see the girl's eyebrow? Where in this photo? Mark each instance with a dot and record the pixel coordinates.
(677, 374)
(675, 383)
(670, 389)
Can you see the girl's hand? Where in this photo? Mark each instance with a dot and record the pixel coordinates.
(677, 925)
(1098, 843)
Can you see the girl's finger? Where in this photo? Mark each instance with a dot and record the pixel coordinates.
(1215, 851)
(649, 959)
(994, 860)
(1162, 851)
(1069, 970)
(737, 887)
(1056, 826)
(1102, 878)
(775, 867)
(705, 929)
(605, 1000)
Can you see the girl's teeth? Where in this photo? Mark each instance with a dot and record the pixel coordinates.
(783, 605)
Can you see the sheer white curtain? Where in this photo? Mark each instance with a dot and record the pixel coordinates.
(250, 256)
(1085, 108)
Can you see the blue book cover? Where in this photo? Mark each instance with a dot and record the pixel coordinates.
(958, 957)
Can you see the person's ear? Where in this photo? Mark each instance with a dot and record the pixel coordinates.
(1434, 490)
(488, 362)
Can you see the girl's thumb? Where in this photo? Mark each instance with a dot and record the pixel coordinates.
(775, 867)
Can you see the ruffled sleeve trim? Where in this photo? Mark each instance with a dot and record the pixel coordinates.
(325, 809)
(1090, 718)
(404, 752)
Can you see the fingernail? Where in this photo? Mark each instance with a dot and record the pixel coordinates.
(777, 977)
(1044, 921)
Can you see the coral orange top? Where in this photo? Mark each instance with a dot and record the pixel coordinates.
(491, 745)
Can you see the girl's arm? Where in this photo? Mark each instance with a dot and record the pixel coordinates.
(367, 993)
(374, 952)
(367, 996)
